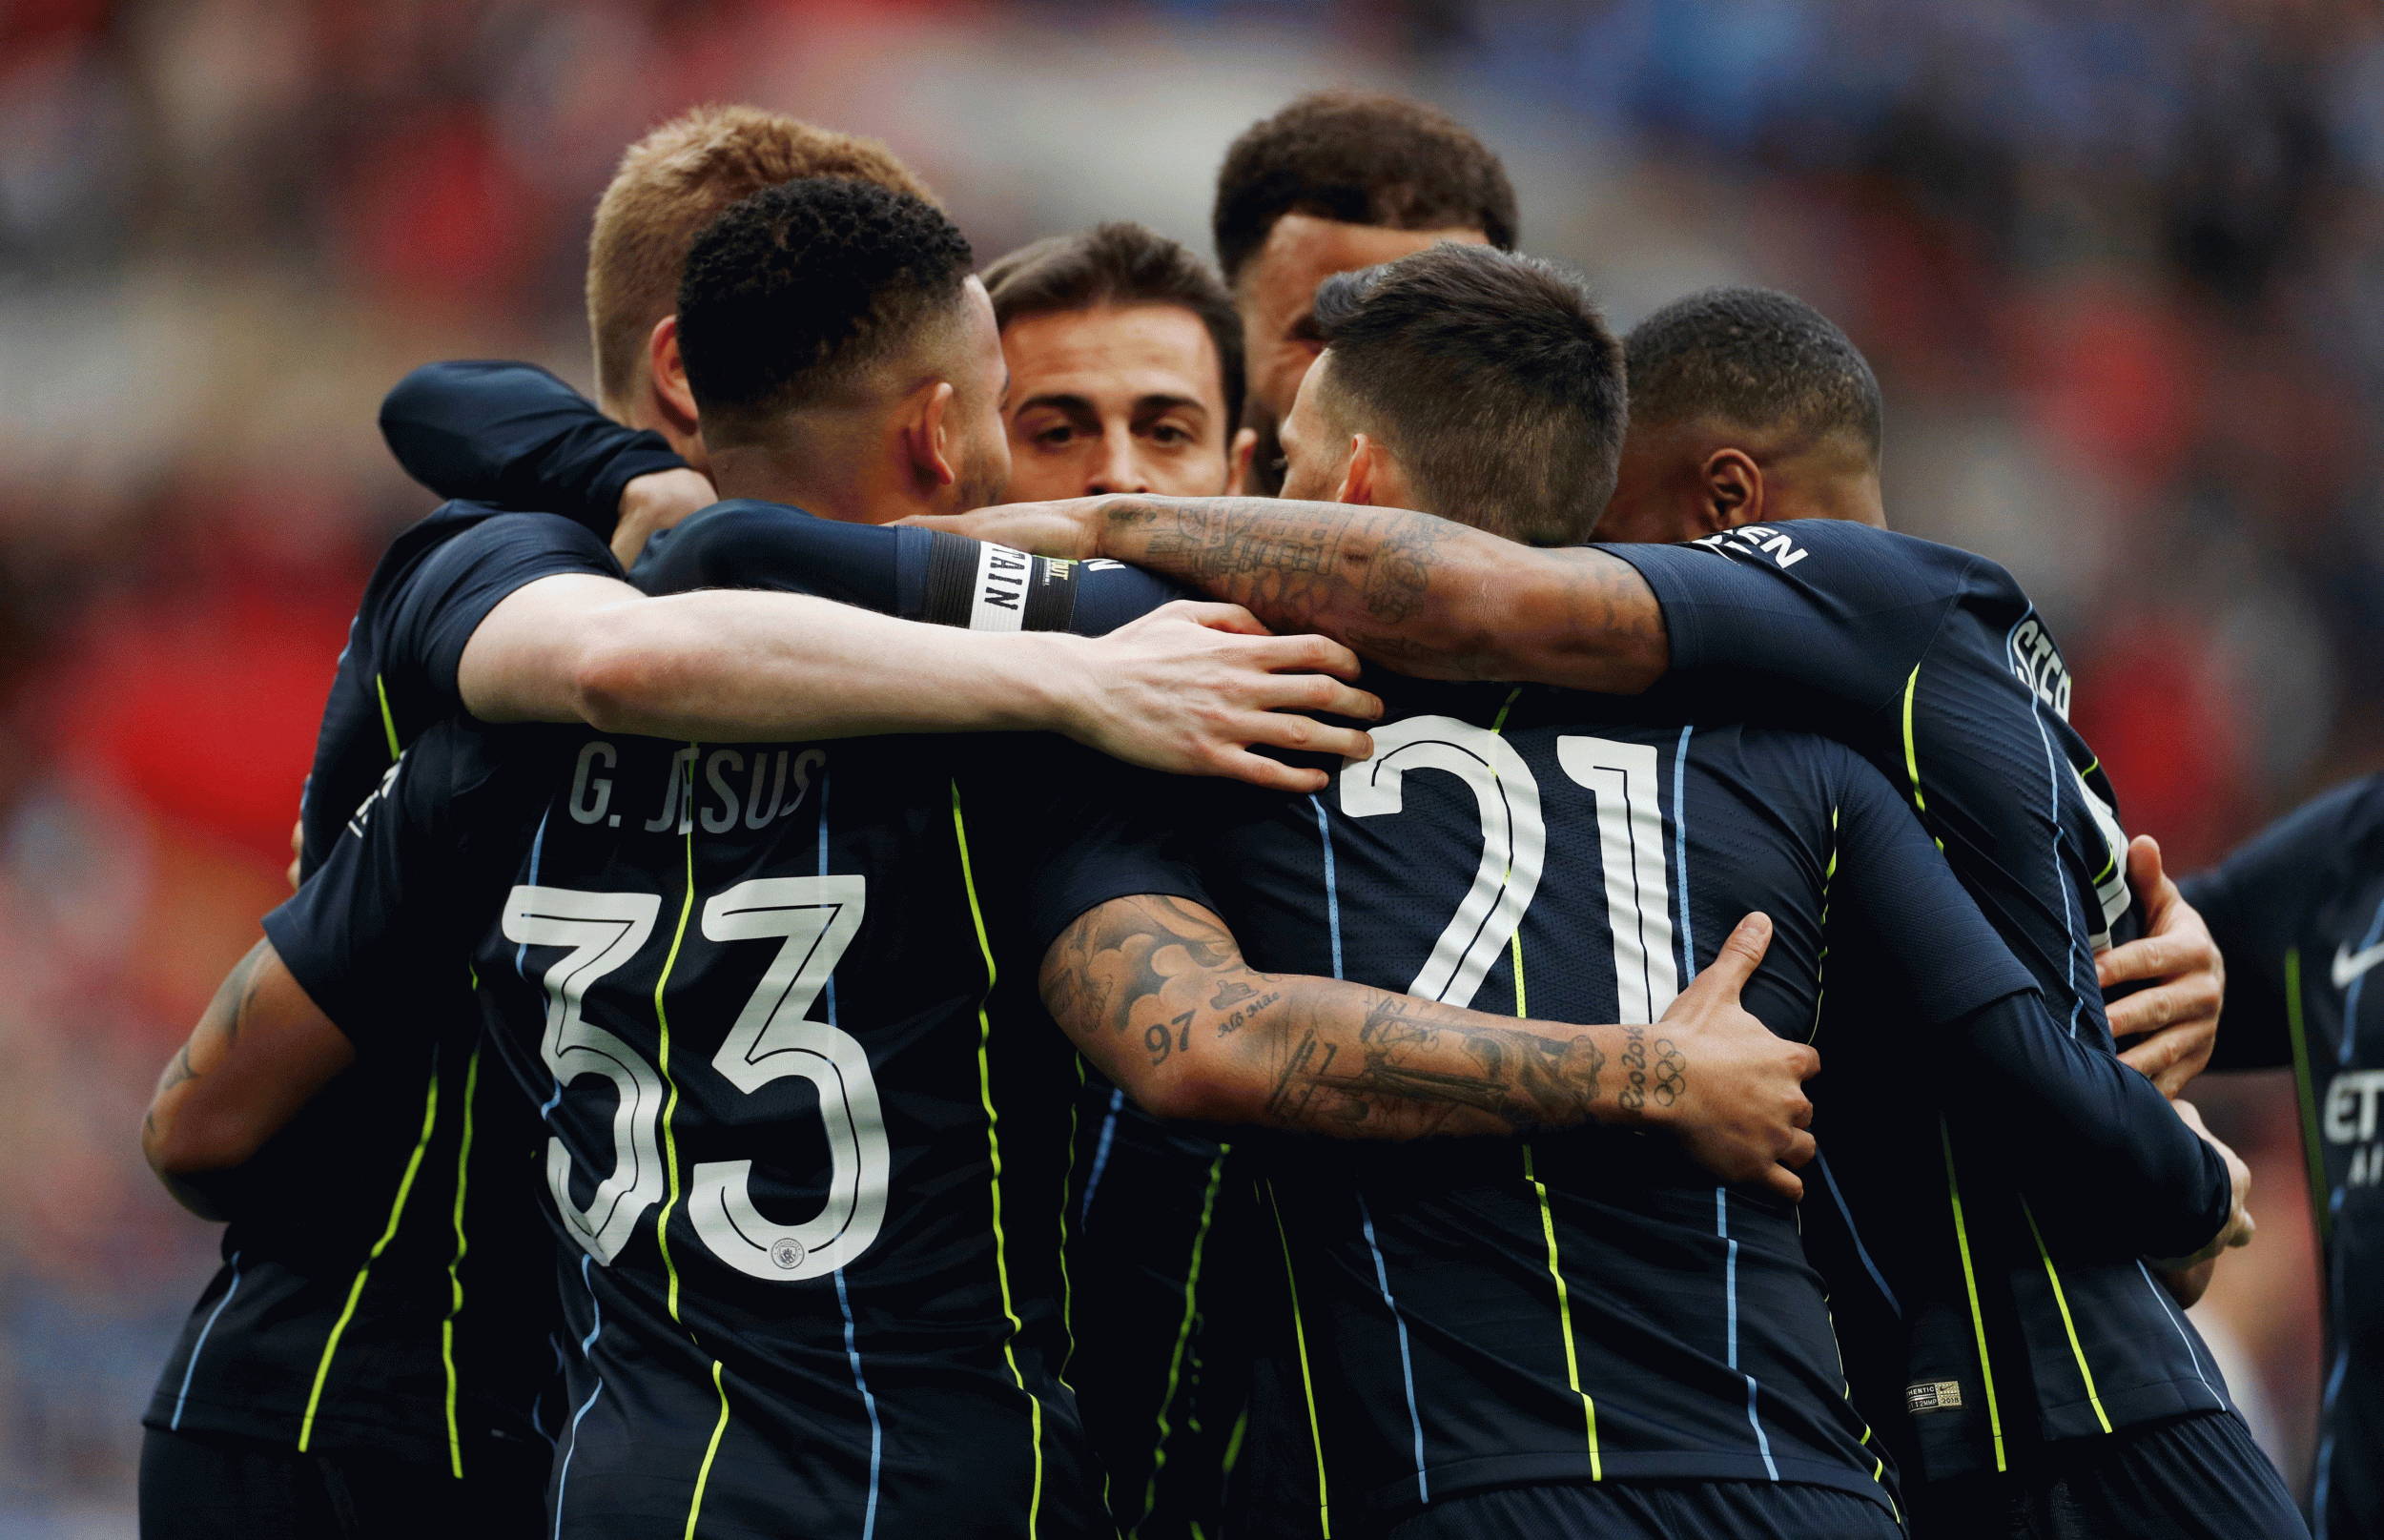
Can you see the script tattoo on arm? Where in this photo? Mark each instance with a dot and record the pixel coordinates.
(1417, 593)
(1665, 1079)
(1155, 992)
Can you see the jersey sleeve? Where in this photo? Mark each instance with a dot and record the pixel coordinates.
(515, 436)
(2253, 903)
(1120, 835)
(360, 934)
(914, 574)
(435, 613)
(1838, 608)
(2104, 1159)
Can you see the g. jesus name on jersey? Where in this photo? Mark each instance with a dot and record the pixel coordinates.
(807, 1185)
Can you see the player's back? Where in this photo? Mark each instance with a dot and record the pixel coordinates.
(808, 1189)
(1578, 1307)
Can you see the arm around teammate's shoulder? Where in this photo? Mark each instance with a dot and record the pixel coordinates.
(1192, 688)
(1154, 992)
(1417, 593)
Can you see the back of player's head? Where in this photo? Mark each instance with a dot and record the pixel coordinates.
(1492, 378)
(1363, 158)
(670, 184)
(796, 298)
(1121, 263)
(1754, 359)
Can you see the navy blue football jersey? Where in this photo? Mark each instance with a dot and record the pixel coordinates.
(1933, 665)
(513, 436)
(383, 1291)
(2299, 914)
(1464, 1314)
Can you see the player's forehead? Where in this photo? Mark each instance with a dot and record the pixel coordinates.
(1115, 354)
(1302, 249)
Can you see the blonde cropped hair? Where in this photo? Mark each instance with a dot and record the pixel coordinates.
(671, 185)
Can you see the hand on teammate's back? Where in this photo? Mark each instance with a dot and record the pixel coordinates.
(1069, 529)
(2180, 1011)
(2186, 1277)
(1743, 1114)
(1193, 687)
(657, 500)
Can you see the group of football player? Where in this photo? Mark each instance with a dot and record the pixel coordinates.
(1066, 898)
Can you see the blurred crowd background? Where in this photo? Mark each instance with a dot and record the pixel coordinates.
(2117, 263)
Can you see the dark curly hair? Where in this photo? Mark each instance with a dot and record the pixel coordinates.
(1362, 159)
(1491, 377)
(1754, 357)
(1121, 263)
(792, 294)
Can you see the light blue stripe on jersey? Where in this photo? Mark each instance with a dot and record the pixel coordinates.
(521, 953)
(199, 1347)
(1101, 1154)
(562, 1477)
(1730, 1294)
(2053, 763)
(1407, 1360)
(1332, 887)
(1855, 1235)
(2177, 1320)
(876, 1435)
(1680, 854)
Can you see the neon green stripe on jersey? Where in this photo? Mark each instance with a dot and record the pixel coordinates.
(1564, 1315)
(388, 722)
(1971, 1281)
(1820, 964)
(1307, 1380)
(455, 1280)
(1184, 1333)
(992, 1144)
(670, 1107)
(2067, 1324)
(356, 1290)
(712, 1452)
(2305, 1092)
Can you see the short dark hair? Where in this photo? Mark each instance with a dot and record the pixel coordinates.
(791, 294)
(1756, 357)
(1493, 379)
(1362, 159)
(1121, 263)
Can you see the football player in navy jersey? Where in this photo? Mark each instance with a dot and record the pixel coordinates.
(925, 1398)
(385, 1358)
(1517, 346)
(2033, 1374)
(2299, 912)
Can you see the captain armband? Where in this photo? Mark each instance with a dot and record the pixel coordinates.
(988, 587)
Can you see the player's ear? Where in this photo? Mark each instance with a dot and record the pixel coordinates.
(1359, 478)
(1238, 462)
(928, 442)
(674, 401)
(1730, 487)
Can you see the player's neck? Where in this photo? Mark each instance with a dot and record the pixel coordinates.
(868, 492)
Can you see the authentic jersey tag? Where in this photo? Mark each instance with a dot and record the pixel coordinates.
(1939, 1395)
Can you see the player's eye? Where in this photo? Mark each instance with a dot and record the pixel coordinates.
(1174, 435)
(1056, 437)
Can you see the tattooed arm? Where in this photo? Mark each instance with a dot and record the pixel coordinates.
(1420, 594)
(257, 1056)
(1156, 992)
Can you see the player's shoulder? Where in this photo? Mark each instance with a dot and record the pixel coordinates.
(2342, 828)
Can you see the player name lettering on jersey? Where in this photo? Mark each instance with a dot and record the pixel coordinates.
(1758, 540)
(779, 780)
(2351, 1105)
(2037, 663)
(364, 813)
(1002, 588)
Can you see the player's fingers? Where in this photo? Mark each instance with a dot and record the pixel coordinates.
(1283, 729)
(1215, 614)
(1312, 693)
(2152, 956)
(1785, 1183)
(1741, 953)
(1240, 765)
(1801, 1114)
(1801, 1150)
(2143, 863)
(2245, 1229)
(1305, 651)
(2155, 1054)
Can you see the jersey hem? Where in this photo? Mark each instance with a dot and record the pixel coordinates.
(1396, 1502)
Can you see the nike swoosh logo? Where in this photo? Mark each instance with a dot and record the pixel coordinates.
(2349, 965)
